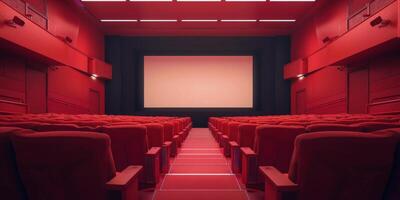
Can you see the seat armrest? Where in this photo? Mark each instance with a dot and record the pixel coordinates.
(167, 143)
(123, 179)
(249, 168)
(124, 186)
(247, 151)
(279, 180)
(233, 144)
(154, 151)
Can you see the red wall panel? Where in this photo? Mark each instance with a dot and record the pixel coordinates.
(69, 91)
(63, 90)
(12, 84)
(327, 89)
(36, 90)
(384, 84)
(68, 19)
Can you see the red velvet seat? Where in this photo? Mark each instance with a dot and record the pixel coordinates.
(333, 165)
(245, 138)
(392, 191)
(155, 137)
(169, 136)
(61, 127)
(130, 146)
(231, 135)
(376, 126)
(72, 165)
(331, 127)
(11, 187)
(273, 146)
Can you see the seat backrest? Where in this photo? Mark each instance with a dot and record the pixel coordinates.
(128, 143)
(376, 126)
(331, 127)
(61, 127)
(392, 191)
(233, 131)
(64, 165)
(10, 183)
(246, 135)
(274, 145)
(341, 165)
(155, 134)
(168, 131)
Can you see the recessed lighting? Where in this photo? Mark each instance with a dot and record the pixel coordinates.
(103, 0)
(150, 0)
(198, 0)
(118, 20)
(199, 20)
(292, 0)
(245, 0)
(238, 20)
(277, 20)
(158, 20)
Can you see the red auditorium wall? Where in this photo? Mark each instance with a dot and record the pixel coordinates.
(29, 86)
(368, 86)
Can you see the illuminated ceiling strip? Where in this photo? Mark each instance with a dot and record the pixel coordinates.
(158, 20)
(199, 174)
(118, 20)
(199, 20)
(198, 0)
(103, 0)
(245, 0)
(292, 0)
(277, 20)
(150, 0)
(238, 20)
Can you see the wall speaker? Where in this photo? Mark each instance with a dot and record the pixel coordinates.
(16, 21)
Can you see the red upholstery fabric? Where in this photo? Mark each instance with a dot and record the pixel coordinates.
(61, 127)
(233, 131)
(392, 189)
(274, 145)
(331, 127)
(11, 187)
(128, 143)
(246, 135)
(64, 165)
(341, 165)
(155, 134)
(168, 131)
(376, 126)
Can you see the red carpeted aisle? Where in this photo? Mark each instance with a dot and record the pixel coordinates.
(199, 172)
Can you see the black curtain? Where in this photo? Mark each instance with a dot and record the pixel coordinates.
(124, 93)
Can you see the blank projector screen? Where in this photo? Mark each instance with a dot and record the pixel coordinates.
(198, 81)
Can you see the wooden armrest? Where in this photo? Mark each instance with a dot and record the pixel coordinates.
(247, 151)
(233, 144)
(123, 179)
(154, 151)
(279, 180)
(167, 143)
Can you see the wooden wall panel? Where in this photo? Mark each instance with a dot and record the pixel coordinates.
(12, 84)
(69, 91)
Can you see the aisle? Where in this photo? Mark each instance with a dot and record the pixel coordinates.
(200, 171)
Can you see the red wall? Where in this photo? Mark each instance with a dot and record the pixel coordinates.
(326, 90)
(28, 86)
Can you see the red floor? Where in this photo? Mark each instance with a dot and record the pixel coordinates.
(200, 171)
